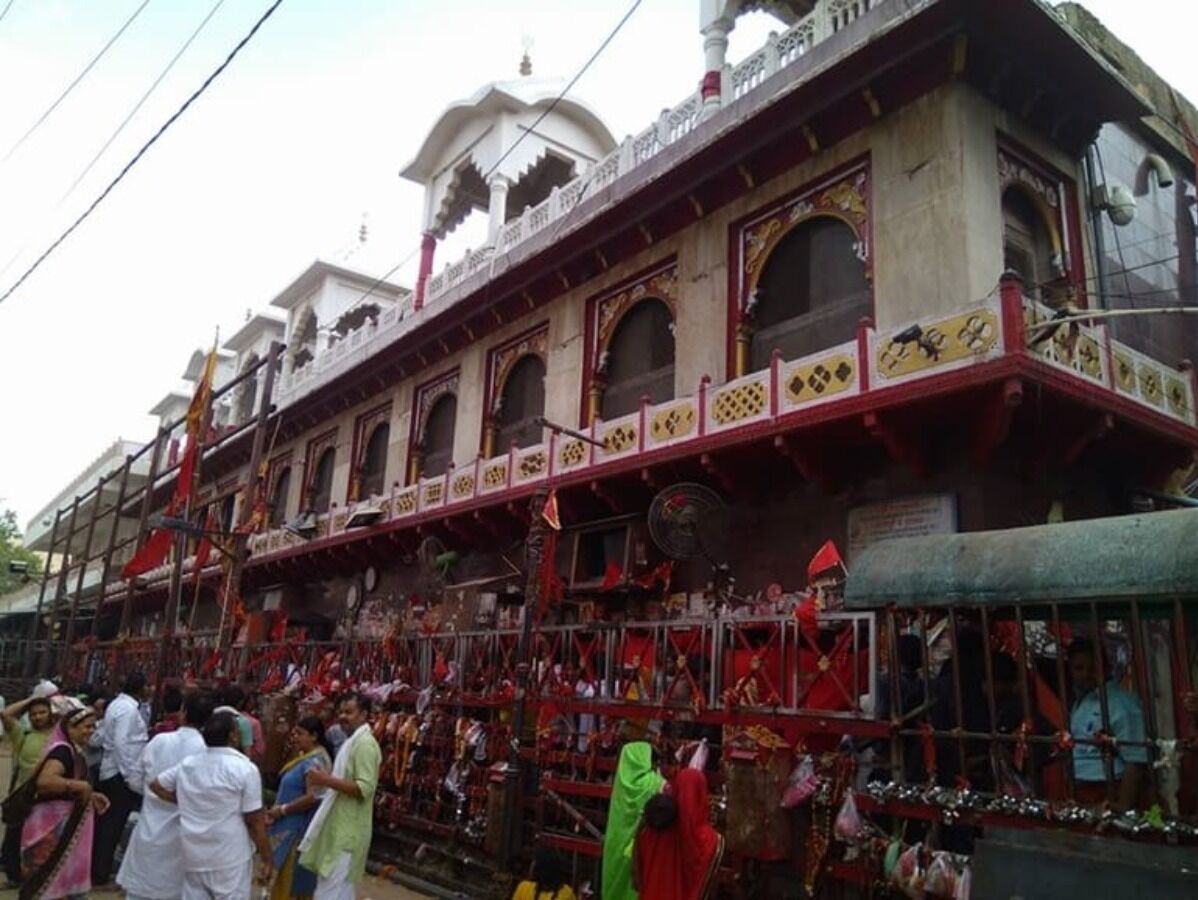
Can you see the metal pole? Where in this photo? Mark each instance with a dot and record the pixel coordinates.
(534, 554)
(241, 538)
(147, 501)
(86, 558)
(60, 588)
(106, 570)
(31, 657)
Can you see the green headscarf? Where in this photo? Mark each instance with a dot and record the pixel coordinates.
(635, 785)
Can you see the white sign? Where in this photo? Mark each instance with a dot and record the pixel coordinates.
(904, 517)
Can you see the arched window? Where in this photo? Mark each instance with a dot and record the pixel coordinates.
(372, 477)
(437, 442)
(812, 292)
(1027, 244)
(640, 360)
(521, 403)
(278, 498)
(305, 342)
(320, 488)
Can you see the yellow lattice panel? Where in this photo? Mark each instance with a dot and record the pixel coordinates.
(573, 453)
(495, 476)
(463, 486)
(736, 403)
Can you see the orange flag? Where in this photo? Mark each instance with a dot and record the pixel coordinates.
(158, 545)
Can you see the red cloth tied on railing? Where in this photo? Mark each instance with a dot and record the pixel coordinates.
(1021, 743)
(929, 749)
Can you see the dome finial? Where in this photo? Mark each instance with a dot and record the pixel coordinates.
(526, 61)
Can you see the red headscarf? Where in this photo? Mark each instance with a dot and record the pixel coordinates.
(680, 862)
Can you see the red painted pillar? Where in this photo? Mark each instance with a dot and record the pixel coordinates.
(1011, 297)
(428, 246)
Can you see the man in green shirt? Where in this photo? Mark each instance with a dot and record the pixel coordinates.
(27, 746)
(338, 837)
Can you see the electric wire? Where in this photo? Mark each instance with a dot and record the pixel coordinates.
(78, 78)
(142, 152)
(524, 133)
(7, 7)
(561, 94)
(144, 97)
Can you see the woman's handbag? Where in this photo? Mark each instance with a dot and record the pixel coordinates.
(16, 807)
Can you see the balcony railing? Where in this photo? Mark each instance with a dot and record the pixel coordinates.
(674, 124)
(950, 342)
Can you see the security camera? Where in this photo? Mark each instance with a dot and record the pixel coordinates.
(1118, 202)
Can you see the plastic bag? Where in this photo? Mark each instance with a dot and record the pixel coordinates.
(941, 880)
(848, 821)
(909, 874)
(698, 759)
(964, 884)
(802, 783)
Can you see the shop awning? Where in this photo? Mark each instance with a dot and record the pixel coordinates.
(1151, 556)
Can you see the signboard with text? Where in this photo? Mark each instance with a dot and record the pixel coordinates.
(902, 517)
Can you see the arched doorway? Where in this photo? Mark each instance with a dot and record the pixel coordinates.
(639, 360)
(812, 293)
(372, 477)
(521, 403)
(436, 443)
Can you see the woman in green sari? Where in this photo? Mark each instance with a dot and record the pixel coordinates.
(636, 782)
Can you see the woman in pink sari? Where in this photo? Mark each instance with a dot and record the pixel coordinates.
(56, 839)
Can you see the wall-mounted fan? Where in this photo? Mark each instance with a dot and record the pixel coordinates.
(689, 520)
(436, 563)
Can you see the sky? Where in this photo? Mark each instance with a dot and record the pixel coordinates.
(278, 163)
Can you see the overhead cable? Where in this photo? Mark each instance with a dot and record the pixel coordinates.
(142, 152)
(78, 78)
(144, 97)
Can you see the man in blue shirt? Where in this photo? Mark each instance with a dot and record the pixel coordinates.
(1126, 724)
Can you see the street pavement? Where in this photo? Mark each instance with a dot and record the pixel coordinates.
(369, 889)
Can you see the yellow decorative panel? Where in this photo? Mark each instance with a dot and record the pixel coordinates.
(495, 476)
(824, 378)
(619, 439)
(1089, 357)
(952, 340)
(339, 521)
(434, 493)
(1179, 397)
(1125, 373)
(463, 486)
(533, 464)
(1151, 388)
(572, 453)
(405, 503)
(675, 422)
(744, 401)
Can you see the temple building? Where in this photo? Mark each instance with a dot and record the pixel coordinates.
(825, 289)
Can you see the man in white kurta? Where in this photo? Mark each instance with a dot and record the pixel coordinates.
(152, 868)
(221, 820)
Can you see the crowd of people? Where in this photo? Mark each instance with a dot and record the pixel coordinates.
(84, 762)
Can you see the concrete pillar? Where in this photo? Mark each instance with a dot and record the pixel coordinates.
(715, 52)
(497, 208)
